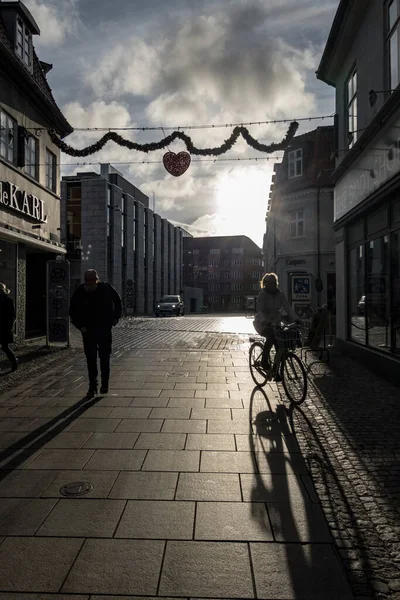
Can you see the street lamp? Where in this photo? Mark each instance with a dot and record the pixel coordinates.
(373, 96)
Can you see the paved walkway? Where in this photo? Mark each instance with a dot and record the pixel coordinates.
(197, 487)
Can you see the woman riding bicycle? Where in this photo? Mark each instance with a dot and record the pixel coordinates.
(270, 302)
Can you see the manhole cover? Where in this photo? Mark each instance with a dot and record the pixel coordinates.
(76, 488)
(177, 374)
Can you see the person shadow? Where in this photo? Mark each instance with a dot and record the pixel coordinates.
(293, 515)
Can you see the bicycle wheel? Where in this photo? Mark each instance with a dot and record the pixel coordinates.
(294, 378)
(259, 376)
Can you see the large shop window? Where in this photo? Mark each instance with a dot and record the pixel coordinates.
(356, 295)
(396, 291)
(378, 315)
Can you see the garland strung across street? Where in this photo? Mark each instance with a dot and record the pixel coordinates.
(177, 164)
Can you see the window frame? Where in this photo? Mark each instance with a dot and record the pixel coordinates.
(390, 32)
(296, 223)
(8, 120)
(34, 165)
(23, 49)
(295, 157)
(51, 179)
(350, 103)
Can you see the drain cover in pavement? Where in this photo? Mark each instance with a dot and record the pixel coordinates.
(76, 488)
(177, 374)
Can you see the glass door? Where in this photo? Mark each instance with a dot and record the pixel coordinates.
(396, 292)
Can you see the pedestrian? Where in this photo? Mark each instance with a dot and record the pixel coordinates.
(7, 320)
(95, 308)
(270, 302)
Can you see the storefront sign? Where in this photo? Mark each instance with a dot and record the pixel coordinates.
(377, 165)
(301, 288)
(294, 263)
(19, 201)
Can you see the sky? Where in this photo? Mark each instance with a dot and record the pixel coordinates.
(152, 63)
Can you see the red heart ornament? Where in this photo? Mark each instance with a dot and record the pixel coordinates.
(176, 164)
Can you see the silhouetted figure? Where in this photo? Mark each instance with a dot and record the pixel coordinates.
(95, 308)
(7, 320)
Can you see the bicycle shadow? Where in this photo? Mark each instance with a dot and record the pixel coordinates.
(293, 513)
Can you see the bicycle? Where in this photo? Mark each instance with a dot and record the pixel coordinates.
(285, 363)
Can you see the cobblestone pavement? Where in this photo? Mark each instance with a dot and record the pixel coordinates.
(349, 433)
(197, 488)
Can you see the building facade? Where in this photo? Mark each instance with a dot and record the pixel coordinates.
(108, 226)
(29, 169)
(361, 60)
(299, 243)
(227, 268)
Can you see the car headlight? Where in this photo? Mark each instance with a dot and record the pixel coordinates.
(158, 306)
(173, 306)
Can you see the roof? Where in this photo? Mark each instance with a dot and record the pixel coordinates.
(36, 78)
(338, 21)
(24, 12)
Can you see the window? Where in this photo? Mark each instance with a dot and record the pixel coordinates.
(237, 250)
(31, 156)
(393, 43)
(215, 251)
(213, 263)
(225, 275)
(23, 47)
(214, 287)
(226, 263)
(213, 275)
(236, 287)
(255, 275)
(377, 296)
(196, 251)
(237, 262)
(351, 108)
(295, 163)
(236, 275)
(297, 224)
(225, 287)
(256, 262)
(7, 136)
(356, 295)
(50, 171)
(236, 299)
(255, 287)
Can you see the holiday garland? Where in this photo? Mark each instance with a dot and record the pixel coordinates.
(227, 145)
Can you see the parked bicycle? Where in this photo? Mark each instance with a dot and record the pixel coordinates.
(284, 362)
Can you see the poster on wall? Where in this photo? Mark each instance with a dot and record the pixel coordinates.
(58, 294)
(301, 287)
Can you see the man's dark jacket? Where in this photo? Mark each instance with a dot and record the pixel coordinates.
(7, 318)
(100, 309)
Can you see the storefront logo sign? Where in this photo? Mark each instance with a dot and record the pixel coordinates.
(19, 201)
(294, 263)
(301, 288)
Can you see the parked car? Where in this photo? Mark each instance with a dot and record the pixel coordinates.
(361, 306)
(170, 305)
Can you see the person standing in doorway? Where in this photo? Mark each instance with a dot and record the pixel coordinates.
(7, 320)
(95, 308)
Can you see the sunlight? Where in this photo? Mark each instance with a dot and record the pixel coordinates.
(241, 201)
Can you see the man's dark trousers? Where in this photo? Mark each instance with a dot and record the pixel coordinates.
(98, 340)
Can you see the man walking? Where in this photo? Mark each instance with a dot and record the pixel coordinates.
(95, 308)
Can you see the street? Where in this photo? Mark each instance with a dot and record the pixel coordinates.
(189, 482)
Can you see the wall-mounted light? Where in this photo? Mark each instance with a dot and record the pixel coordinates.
(373, 96)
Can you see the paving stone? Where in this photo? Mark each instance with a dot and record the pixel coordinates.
(279, 462)
(206, 569)
(170, 413)
(226, 462)
(97, 412)
(19, 596)
(211, 413)
(211, 394)
(149, 402)
(232, 521)
(183, 426)
(229, 427)
(172, 460)
(92, 425)
(106, 566)
(267, 487)
(298, 571)
(186, 403)
(60, 459)
(83, 518)
(209, 486)
(223, 386)
(69, 439)
(102, 482)
(157, 520)
(223, 403)
(29, 564)
(23, 516)
(116, 460)
(158, 441)
(190, 386)
(296, 521)
(130, 412)
(257, 443)
(152, 385)
(177, 394)
(145, 486)
(112, 440)
(21, 484)
(209, 441)
(138, 425)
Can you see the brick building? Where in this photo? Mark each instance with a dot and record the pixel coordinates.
(108, 226)
(29, 169)
(227, 268)
(299, 243)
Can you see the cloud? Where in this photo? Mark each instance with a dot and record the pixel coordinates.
(56, 20)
